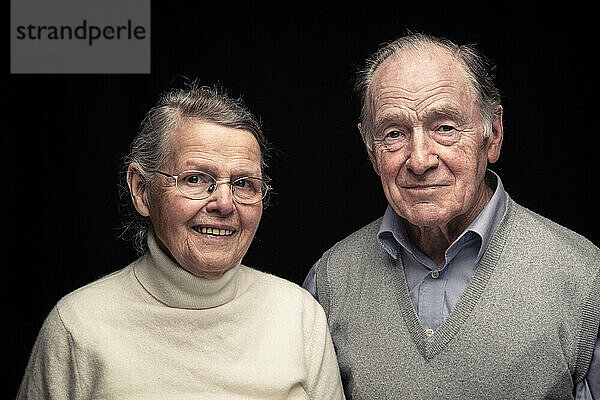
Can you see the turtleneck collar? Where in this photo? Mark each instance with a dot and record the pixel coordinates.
(172, 285)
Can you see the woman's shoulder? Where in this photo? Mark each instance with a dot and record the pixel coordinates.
(273, 286)
(96, 297)
(282, 300)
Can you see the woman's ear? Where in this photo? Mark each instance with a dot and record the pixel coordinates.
(138, 189)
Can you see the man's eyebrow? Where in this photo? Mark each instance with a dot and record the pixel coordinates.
(393, 117)
(445, 112)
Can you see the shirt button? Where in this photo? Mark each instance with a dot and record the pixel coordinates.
(429, 332)
(435, 274)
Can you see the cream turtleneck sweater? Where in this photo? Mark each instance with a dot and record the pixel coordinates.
(154, 331)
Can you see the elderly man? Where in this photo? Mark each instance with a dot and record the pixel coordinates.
(187, 320)
(457, 291)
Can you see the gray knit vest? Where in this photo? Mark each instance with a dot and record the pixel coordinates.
(525, 326)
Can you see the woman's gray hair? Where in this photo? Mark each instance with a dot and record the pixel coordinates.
(151, 146)
(478, 68)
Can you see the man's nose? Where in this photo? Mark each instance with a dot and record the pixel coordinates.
(221, 199)
(422, 155)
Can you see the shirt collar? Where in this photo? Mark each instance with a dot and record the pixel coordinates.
(392, 235)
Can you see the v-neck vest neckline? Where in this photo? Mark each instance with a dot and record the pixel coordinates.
(430, 345)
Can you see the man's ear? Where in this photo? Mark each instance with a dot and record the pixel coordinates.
(495, 138)
(369, 151)
(138, 190)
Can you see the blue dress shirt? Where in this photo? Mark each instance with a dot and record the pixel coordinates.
(435, 289)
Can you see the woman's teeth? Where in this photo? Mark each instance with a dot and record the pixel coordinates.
(215, 231)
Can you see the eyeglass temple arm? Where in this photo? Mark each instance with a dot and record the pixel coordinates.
(165, 174)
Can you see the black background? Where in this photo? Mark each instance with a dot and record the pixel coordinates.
(64, 135)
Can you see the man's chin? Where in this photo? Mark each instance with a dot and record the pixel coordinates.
(424, 214)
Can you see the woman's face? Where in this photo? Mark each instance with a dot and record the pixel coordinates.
(206, 237)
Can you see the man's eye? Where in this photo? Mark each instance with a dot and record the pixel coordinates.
(446, 128)
(393, 134)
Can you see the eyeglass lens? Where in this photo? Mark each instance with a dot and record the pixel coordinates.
(200, 185)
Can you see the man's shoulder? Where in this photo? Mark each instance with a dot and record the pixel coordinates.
(365, 236)
(355, 249)
(532, 227)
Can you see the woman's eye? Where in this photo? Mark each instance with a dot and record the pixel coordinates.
(241, 183)
(195, 179)
(247, 184)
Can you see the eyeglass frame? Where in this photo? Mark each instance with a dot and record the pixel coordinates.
(216, 184)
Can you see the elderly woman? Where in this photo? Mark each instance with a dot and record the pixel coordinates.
(187, 320)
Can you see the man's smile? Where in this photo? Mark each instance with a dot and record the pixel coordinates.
(424, 186)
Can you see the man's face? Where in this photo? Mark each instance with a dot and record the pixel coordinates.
(178, 222)
(428, 147)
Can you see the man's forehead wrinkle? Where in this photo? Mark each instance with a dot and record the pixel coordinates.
(396, 115)
(385, 87)
(405, 115)
(431, 92)
(394, 94)
(442, 100)
(391, 99)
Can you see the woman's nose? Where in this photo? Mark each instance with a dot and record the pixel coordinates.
(221, 199)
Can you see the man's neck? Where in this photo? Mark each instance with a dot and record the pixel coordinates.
(434, 240)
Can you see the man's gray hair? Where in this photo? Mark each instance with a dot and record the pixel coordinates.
(478, 68)
(151, 147)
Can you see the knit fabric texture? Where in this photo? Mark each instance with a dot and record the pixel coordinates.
(154, 331)
(524, 327)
